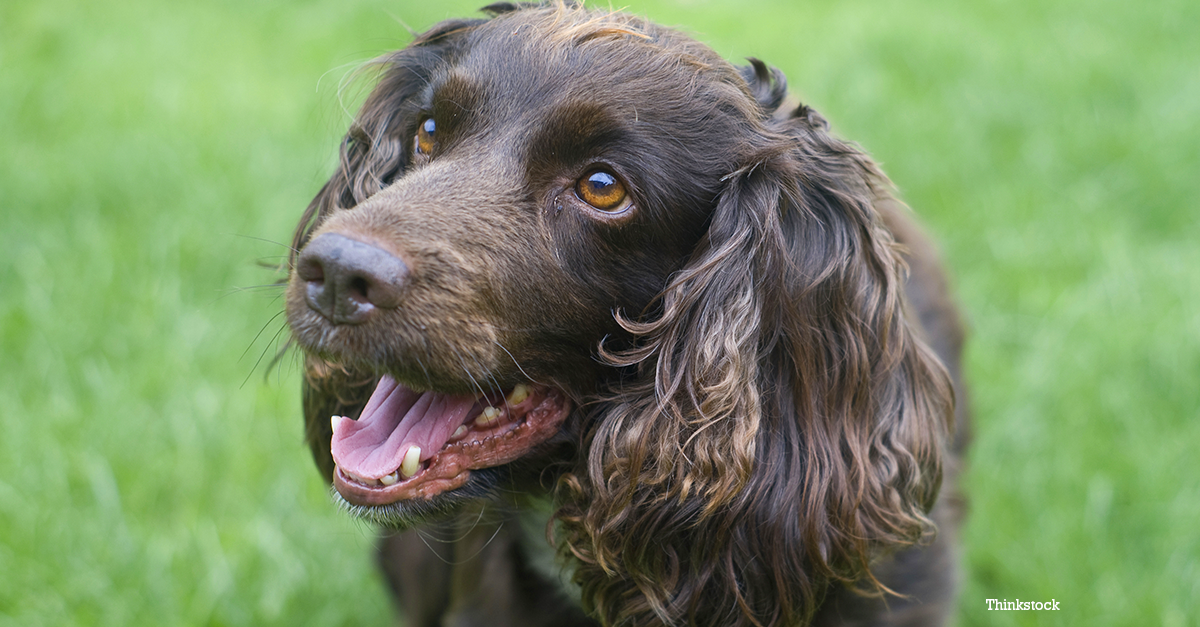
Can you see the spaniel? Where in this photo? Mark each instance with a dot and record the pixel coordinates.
(604, 330)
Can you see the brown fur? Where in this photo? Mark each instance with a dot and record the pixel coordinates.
(762, 428)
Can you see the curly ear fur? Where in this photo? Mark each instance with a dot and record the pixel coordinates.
(785, 424)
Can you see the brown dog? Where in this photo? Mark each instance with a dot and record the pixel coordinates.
(581, 285)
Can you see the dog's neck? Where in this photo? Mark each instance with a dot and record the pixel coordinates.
(539, 554)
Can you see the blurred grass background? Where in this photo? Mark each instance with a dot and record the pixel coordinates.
(151, 153)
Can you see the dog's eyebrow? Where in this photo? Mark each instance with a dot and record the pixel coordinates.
(576, 131)
(455, 95)
(453, 101)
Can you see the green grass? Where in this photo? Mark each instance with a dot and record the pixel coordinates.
(151, 154)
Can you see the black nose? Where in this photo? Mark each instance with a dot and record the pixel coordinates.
(347, 280)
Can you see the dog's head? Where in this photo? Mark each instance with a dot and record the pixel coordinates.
(509, 186)
(558, 231)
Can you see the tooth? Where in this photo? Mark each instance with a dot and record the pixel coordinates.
(489, 416)
(390, 479)
(412, 462)
(518, 394)
(459, 432)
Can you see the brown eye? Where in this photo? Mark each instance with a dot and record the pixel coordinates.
(425, 136)
(602, 190)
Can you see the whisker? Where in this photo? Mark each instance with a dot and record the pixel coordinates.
(465, 533)
(258, 362)
(259, 334)
(269, 241)
(495, 385)
(516, 363)
(426, 538)
(428, 379)
(265, 287)
(278, 358)
(467, 370)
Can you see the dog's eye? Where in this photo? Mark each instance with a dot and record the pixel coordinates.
(425, 136)
(602, 190)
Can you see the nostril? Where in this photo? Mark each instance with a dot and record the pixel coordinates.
(310, 269)
(359, 289)
(347, 280)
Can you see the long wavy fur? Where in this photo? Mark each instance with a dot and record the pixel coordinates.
(785, 424)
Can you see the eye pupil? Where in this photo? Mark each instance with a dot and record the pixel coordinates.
(601, 190)
(424, 142)
(601, 182)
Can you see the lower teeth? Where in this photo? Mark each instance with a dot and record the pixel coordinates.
(412, 461)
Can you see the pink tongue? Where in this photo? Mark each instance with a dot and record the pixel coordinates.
(395, 419)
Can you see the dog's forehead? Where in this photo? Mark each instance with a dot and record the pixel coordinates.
(531, 60)
(568, 87)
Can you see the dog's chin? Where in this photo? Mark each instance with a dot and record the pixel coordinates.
(403, 514)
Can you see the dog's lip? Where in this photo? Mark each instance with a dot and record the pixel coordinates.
(517, 429)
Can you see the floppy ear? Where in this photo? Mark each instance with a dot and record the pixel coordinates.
(374, 153)
(785, 424)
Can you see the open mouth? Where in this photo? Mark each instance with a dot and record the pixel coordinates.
(408, 444)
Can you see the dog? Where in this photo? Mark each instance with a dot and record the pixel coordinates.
(602, 329)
